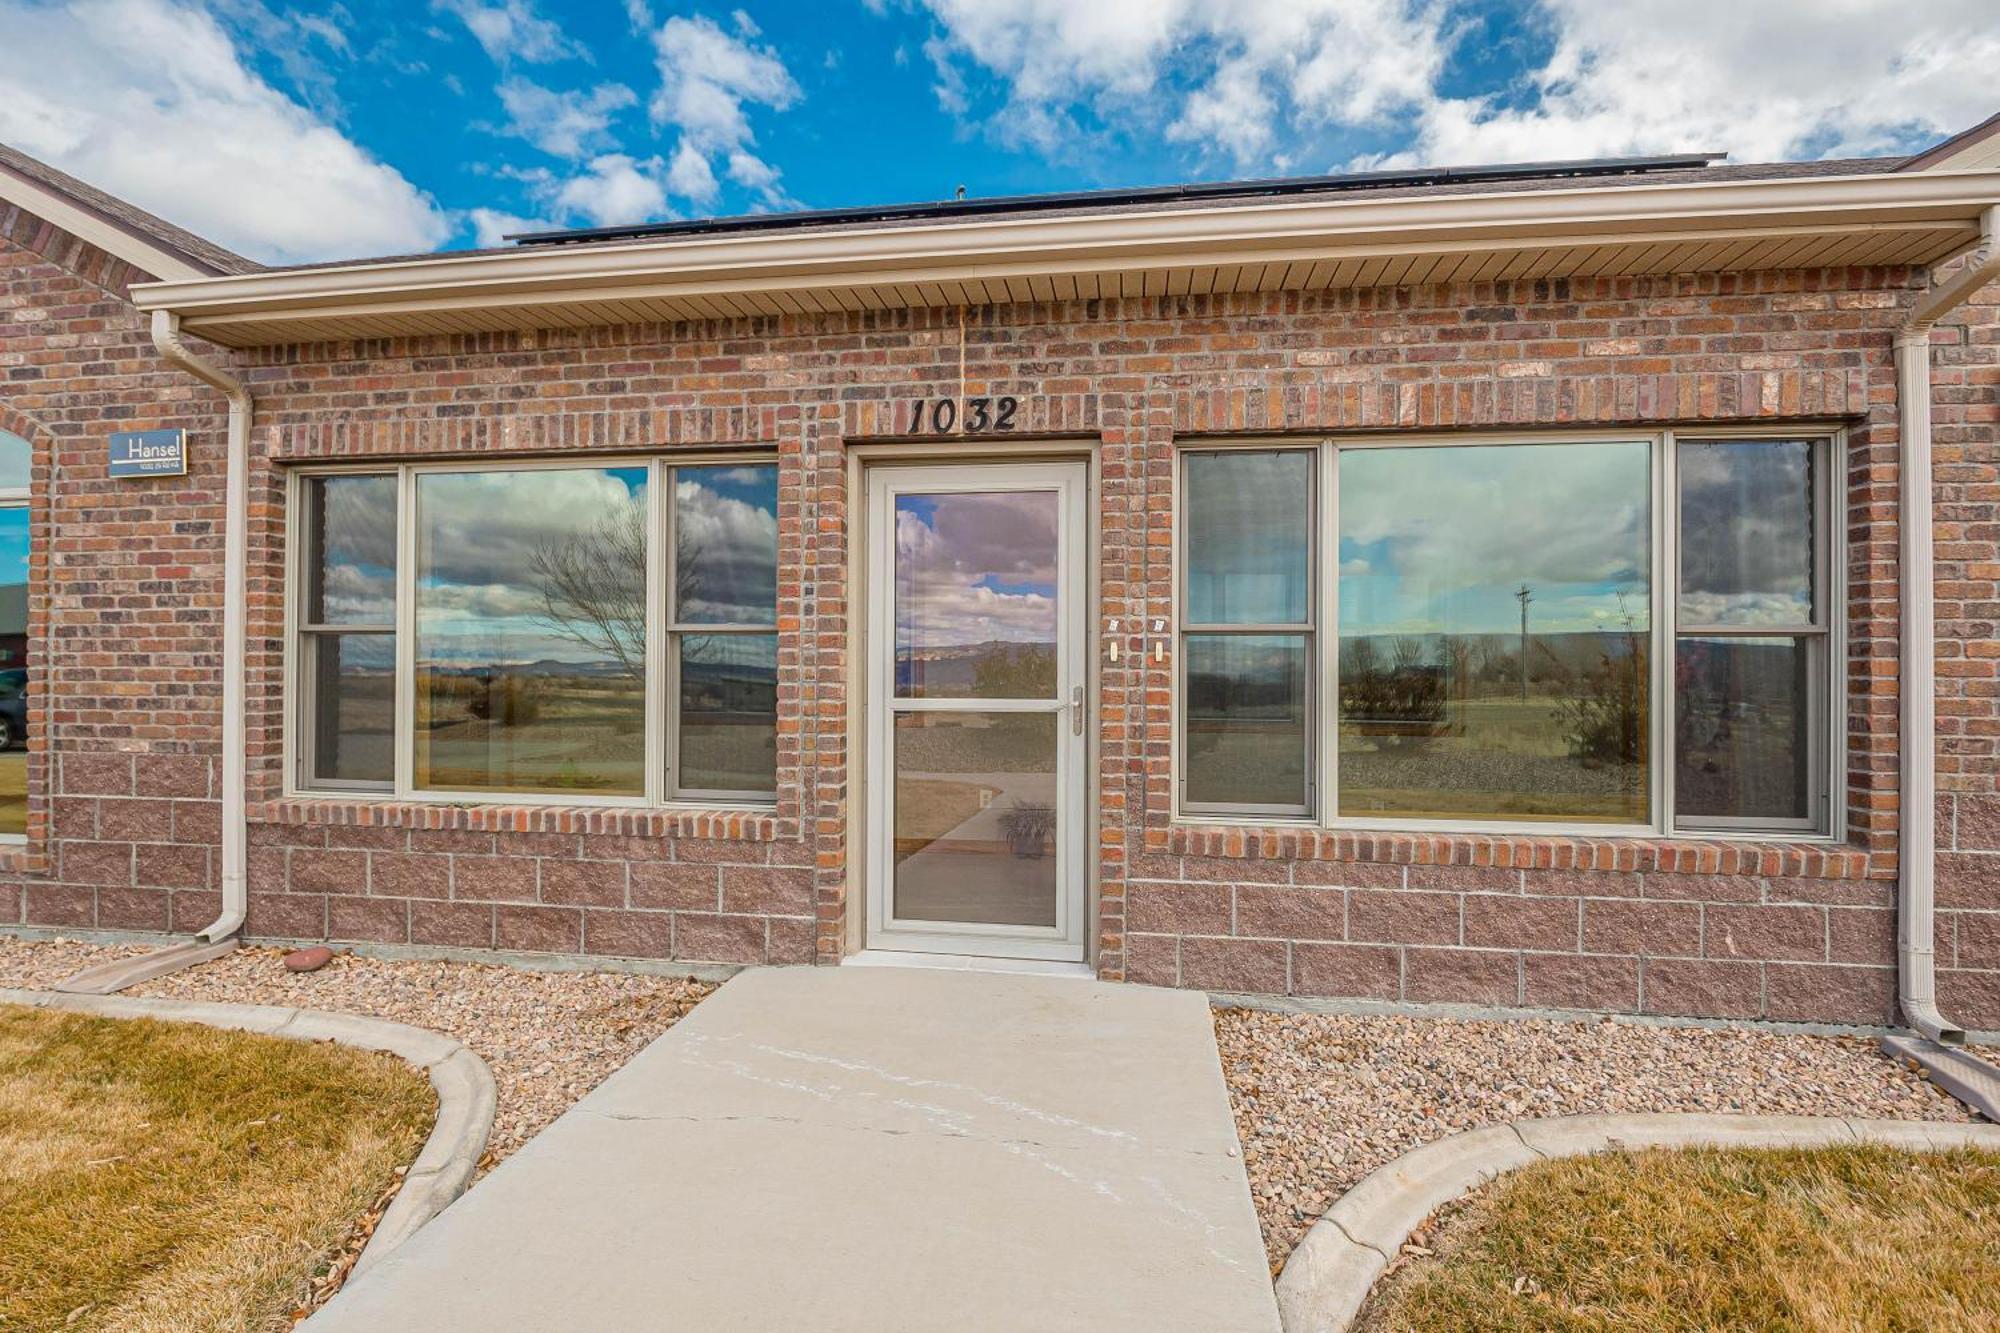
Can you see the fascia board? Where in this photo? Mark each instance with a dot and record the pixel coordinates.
(950, 251)
(92, 228)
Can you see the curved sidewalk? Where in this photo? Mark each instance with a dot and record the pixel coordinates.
(866, 1148)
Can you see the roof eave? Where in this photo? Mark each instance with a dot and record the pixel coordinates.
(122, 242)
(284, 305)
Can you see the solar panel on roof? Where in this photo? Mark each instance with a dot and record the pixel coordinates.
(1030, 203)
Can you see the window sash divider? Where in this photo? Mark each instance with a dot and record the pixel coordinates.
(1749, 631)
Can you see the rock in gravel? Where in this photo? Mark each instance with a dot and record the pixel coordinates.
(308, 960)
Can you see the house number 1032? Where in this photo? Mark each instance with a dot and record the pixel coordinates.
(939, 416)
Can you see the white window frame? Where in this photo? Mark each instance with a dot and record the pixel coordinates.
(663, 634)
(1318, 526)
(1323, 759)
(1825, 632)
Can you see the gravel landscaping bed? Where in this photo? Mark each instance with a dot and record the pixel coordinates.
(549, 1037)
(1322, 1100)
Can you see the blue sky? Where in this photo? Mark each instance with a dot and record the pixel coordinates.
(342, 128)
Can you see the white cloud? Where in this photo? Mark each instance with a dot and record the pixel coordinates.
(1765, 81)
(153, 102)
(690, 176)
(304, 45)
(610, 189)
(1228, 74)
(1268, 82)
(570, 123)
(707, 78)
(512, 30)
(616, 189)
(491, 226)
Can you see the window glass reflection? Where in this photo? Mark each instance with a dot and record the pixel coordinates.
(16, 462)
(1249, 547)
(351, 563)
(975, 818)
(1495, 632)
(729, 713)
(1746, 532)
(1243, 720)
(975, 600)
(1742, 727)
(353, 708)
(725, 525)
(530, 618)
(13, 670)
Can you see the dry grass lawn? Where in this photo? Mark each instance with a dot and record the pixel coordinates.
(160, 1176)
(1809, 1239)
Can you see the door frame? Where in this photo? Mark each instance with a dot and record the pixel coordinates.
(1071, 478)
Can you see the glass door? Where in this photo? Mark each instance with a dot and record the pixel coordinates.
(977, 710)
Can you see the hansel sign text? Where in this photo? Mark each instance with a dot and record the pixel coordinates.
(149, 453)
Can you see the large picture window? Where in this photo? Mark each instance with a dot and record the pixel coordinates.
(1495, 617)
(1625, 633)
(601, 633)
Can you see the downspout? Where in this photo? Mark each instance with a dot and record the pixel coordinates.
(1916, 961)
(235, 560)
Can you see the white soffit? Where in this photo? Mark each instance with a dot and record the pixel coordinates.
(1291, 244)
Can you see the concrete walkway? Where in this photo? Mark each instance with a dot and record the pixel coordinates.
(866, 1148)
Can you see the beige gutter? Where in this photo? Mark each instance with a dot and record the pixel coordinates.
(220, 935)
(992, 248)
(1917, 854)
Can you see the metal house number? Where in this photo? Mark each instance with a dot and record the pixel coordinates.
(939, 416)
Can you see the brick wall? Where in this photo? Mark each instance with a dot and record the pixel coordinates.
(1966, 442)
(1639, 924)
(123, 600)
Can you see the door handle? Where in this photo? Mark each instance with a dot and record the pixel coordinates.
(1076, 711)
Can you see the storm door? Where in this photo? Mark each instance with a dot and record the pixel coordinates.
(976, 706)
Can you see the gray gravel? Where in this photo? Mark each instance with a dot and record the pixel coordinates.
(1322, 1100)
(550, 1037)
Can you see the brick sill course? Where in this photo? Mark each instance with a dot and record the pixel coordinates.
(726, 824)
(1520, 851)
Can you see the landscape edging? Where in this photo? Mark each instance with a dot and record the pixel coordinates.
(467, 1096)
(1328, 1277)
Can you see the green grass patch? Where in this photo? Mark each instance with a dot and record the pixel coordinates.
(1808, 1239)
(162, 1176)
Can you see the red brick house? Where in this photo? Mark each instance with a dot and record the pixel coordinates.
(1479, 585)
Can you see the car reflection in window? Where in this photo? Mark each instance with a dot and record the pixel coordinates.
(13, 708)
